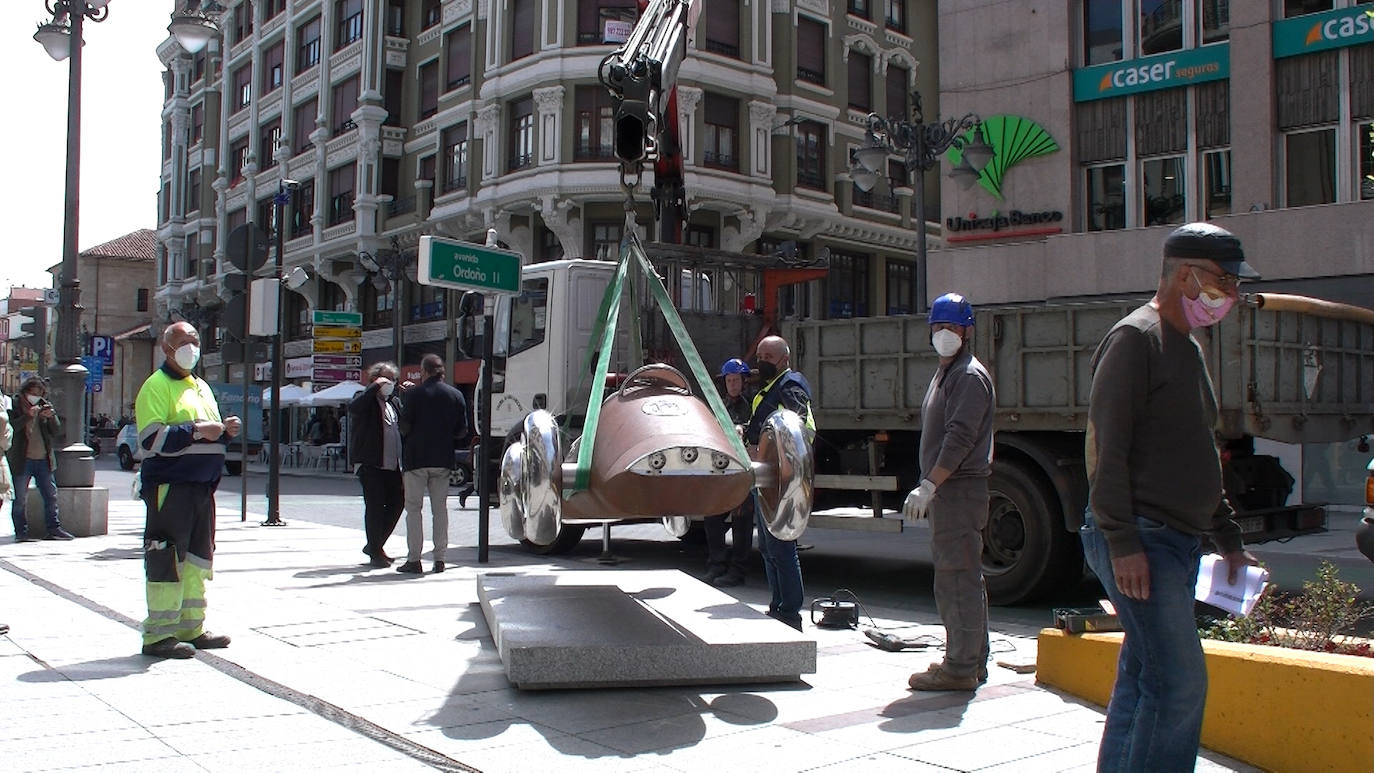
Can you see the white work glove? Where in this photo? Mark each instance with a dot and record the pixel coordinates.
(917, 505)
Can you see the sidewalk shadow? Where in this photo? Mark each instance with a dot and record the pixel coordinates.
(925, 711)
(362, 574)
(334, 571)
(107, 668)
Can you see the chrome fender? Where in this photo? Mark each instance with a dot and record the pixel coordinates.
(786, 484)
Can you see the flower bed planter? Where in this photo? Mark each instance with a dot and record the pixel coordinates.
(1278, 709)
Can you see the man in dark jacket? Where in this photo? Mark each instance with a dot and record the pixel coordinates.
(32, 456)
(374, 445)
(433, 420)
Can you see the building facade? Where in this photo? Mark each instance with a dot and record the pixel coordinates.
(408, 117)
(20, 354)
(1255, 115)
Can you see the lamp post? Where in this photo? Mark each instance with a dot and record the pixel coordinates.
(61, 38)
(920, 144)
(388, 269)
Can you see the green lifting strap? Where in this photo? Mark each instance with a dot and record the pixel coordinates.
(632, 255)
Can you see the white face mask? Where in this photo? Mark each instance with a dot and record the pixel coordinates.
(186, 356)
(386, 390)
(34, 399)
(946, 342)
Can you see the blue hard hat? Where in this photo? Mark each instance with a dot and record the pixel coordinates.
(952, 308)
(735, 365)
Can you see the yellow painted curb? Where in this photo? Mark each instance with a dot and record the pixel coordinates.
(1278, 709)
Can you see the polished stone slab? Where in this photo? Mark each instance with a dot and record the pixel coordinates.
(586, 629)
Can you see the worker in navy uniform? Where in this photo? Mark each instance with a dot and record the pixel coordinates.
(956, 460)
(782, 388)
(183, 441)
(727, 568)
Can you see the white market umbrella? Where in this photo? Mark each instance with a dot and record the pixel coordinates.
(290, 395)
(336, 395)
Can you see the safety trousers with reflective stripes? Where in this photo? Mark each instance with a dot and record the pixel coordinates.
(178, 546)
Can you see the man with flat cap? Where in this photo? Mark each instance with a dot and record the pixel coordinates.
(1155, 495)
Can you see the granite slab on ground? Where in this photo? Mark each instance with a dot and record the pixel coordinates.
(586, 629)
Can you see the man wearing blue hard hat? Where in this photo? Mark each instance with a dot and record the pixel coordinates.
(727, 568)
(956, 460)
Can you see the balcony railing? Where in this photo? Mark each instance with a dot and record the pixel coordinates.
(808, 179)
(720, 161)
(811, 76)
(452, 184)
(402, 206)
(520, 161)
(724, 49)
(594, 153)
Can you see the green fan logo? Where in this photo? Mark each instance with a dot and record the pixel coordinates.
(1013, 139)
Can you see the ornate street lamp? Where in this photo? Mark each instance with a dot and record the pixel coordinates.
(196, 24)
(920, 144)
(76, 467)
(388, 269)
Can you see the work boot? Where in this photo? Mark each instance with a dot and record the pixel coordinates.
(210, 641)
(938, 679)
(23, 537)
(411, 567)
(169, 648)
(438, 568)
(712, 574)
(729, 580)
(60, 533)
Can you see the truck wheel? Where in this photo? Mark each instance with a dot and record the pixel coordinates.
(126, 458)
(568, 538)
(233, 468)
(1027, 552)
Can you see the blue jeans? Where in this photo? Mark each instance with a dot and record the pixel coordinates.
(39, 470)
(783, 569)
(1154, 719)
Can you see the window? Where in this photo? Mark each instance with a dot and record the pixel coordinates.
(235, 219)
(243, 22)
(1310, 166)
(722, 28)
(1293, 8)
(193, 191)
(604, 239)
(529, 314)
(722, 131)
(896, 16)
(295, 314)
(302, 208)
(1162, 187)
(1216, 188)
(810, 50)
(458, 47)
(396, 18)
(897, 82)
(522, 29)
(431, 12)
(1102, 37)
(243, 87)
(595, 124)
(393, 92)
(594, 15)
(426, 169)
(341, 194)
(1161, 26)
(271, 8)
(166, 201)
(456, 157)
(198, 67)
(303, 124)
(345, 101)
(1216, 20)
(308, 45)
(350, 19)
(859, 8)
(169, 80)
(1106, 198)
(238, 156)
(332, 297)
(521, 134)
(847, 285)
(703, 236)
(390, 182)
(860, 81)
(899, 277)
(811, 170)
(1150, 27)
(377, 306)
(273, 67)
(263, 215)
(142, 303)
(429, 88)
(550, 247)
(268, 140)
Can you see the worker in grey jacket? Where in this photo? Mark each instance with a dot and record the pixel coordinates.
(956, 460)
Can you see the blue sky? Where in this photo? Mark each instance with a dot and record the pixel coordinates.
(121, 105)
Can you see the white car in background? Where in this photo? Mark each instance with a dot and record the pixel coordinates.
(126, 445)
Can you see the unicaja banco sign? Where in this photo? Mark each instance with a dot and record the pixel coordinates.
(1013, 139)
(1151, 73)
(1323, 31)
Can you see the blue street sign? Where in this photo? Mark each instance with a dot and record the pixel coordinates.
(103, 347)
(95, 373)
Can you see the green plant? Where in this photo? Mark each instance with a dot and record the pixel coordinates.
(1321, 618)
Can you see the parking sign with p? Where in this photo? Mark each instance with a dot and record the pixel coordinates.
(102, 347)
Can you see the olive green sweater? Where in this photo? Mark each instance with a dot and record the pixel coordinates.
(1151, 450)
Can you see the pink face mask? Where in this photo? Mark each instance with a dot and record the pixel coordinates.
(1208, 308)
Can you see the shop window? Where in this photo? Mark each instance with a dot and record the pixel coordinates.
(1162, 191)
(1310, 168)
(1106, 197)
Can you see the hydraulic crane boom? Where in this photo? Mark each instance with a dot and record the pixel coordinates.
(642, 78)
